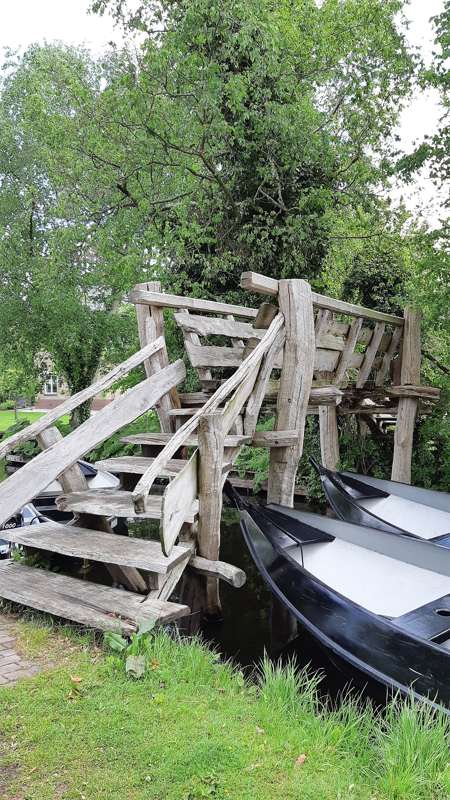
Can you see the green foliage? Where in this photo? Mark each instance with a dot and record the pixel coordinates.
(256, 134)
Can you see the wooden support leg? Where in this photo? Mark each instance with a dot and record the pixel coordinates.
(329, 439)
(407, 406)
(295, 302)
(210, 443)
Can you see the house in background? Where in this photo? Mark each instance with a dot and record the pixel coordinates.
(54, 389)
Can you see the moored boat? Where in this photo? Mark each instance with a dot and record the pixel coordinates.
(387, 505)
(379, 603)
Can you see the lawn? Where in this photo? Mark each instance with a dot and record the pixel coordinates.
(194, 728)
(7, 418)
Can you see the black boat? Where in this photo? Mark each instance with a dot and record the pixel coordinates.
(379, 603)
(387, 505)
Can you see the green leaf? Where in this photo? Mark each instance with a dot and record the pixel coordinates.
(135, 666)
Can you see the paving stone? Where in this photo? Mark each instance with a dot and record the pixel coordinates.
(12, 666)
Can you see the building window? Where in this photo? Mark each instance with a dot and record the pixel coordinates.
(51, 385)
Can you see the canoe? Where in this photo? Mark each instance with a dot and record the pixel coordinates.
(387, 505)
(379, 603)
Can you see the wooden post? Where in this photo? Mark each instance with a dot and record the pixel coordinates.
(210, 445)
(150, 322)
(295, 302)
(329, 438)
(407, 406)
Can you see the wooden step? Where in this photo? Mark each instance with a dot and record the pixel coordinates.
(100, 607)
(190, 441)
(114, 503)
(137, 465)
(108, 548)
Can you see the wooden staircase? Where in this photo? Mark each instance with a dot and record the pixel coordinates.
(322, 360)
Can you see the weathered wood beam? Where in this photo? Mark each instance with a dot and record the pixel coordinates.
(179, 439)
(407, 406)
(295, 302)
(163, 300)
(177, 501)
(150, 321)
(219, 569)
(34, 476)
(111, 377)
(329, 437)
(211, 457)
(254, 282)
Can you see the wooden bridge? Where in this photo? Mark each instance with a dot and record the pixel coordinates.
(303, 354)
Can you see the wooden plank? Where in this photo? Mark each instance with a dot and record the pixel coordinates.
(211, 457)
(179, 439)
(370, 354)
(295, 303)
(189, 441)
(150, 322)
(322, 322)
(235, 404)
(391, 351)
(407, 406)
(424, 392)
(179, 498)
(193, 339)
(216, 326)
(99, 607)
(219, 569)
(137, 465)
(191, 303)
(115, 502)
(213, 355)
(194, 398)
(111, 377)
(287, 438)
(329, 437)
(108, 548)
(254, 282)
(34, 476)
(259, 391)
(345, 360)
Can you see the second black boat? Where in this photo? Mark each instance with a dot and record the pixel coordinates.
(380, 603)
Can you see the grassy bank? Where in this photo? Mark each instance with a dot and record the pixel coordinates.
(193, 728)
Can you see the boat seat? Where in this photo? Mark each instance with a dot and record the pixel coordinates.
(431, 621)
(301, 533)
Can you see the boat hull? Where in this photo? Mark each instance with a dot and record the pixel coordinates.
(370, 645)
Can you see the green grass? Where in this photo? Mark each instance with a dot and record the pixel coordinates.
(193, 728)
(7, 418)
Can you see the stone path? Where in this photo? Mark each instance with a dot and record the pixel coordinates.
(12, 665)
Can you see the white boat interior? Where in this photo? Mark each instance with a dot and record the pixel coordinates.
(414, 517)
(386, 574)
(416, 494)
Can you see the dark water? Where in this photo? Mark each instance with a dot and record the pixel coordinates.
(254, 623)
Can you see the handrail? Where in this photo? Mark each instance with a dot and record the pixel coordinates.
(162, 300)
(111, 377)
(145, 483)
(254, 282)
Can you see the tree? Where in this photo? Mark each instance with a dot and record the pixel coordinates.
(248, 129)
(57, 292)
